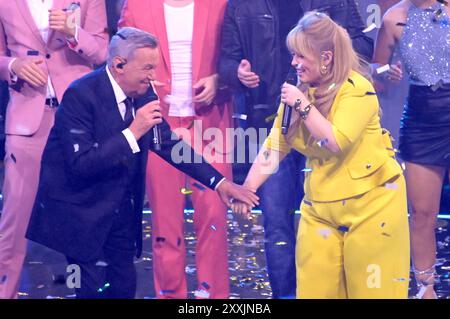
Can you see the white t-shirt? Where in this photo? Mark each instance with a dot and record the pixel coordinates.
(179, 26)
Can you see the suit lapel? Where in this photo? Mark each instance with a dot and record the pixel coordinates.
(24, 9)
(201, 15)
(156, 7)
(112, 118)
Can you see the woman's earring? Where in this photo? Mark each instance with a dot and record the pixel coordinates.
(323, 69)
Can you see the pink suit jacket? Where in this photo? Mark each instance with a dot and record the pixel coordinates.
(19, 37)
(148, 15)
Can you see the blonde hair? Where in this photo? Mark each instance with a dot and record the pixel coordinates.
(316, 33)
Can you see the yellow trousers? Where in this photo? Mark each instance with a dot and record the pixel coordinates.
(355, 248)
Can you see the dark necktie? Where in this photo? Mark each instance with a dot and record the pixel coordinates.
(128, 119)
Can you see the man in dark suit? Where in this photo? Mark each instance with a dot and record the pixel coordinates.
(90, 197)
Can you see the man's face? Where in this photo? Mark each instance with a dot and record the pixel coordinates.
(139, 71)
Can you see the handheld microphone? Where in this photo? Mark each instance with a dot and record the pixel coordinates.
(287, 110)
(150, 96)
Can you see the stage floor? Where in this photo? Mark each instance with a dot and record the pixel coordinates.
(44, 273)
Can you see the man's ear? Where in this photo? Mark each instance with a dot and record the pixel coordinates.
(118, 64)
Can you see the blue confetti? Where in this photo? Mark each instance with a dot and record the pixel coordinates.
(343, 229)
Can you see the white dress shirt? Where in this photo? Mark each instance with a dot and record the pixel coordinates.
(120, 99)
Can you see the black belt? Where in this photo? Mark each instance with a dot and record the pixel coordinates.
(53, 102)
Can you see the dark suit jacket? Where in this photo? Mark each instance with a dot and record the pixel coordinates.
(85, 171)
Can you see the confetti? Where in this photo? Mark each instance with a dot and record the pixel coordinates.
(271, 118)
(3, 279)
(212, 180)
(101, 263)
(370, 28)
(307, 170)
(343, 229)
(324, 232)
(322, 143)
(201, 294)
(76, 148)
(280, 243)
(190, 269)
(383, 69)
(391, 186)
(75, 131)
(331, 86)
(166, 292)
(213, 227)
(106, 286)
(160, 239)
(186, 191)
(307, 202)
(13, 158)
(444, 2)
(240, 116)
(401, 24)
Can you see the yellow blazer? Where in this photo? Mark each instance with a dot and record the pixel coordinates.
(366, 159)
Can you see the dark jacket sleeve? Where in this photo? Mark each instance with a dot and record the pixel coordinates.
(231, 51)
(180, 155)
(346, 14)
(355, 25)
(75, 127)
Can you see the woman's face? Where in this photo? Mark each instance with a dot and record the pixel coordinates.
(308, 69)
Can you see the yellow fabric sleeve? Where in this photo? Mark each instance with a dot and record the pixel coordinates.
(353, 113)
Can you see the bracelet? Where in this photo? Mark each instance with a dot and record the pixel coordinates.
(297, 105)
(305, 112)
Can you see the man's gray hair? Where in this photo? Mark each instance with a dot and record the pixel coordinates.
(127, 40)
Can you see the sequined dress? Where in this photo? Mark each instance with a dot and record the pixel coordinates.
(425, 52)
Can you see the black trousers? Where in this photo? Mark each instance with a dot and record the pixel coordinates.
(112, 274)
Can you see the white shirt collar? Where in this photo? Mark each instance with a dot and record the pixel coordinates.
(118, 92)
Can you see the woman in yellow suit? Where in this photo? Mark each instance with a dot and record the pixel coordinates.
(353, 239)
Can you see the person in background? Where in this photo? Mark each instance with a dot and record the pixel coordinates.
(44, 46)
(421, 31)
(193, 105)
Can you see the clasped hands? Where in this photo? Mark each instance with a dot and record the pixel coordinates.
(28, 68)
